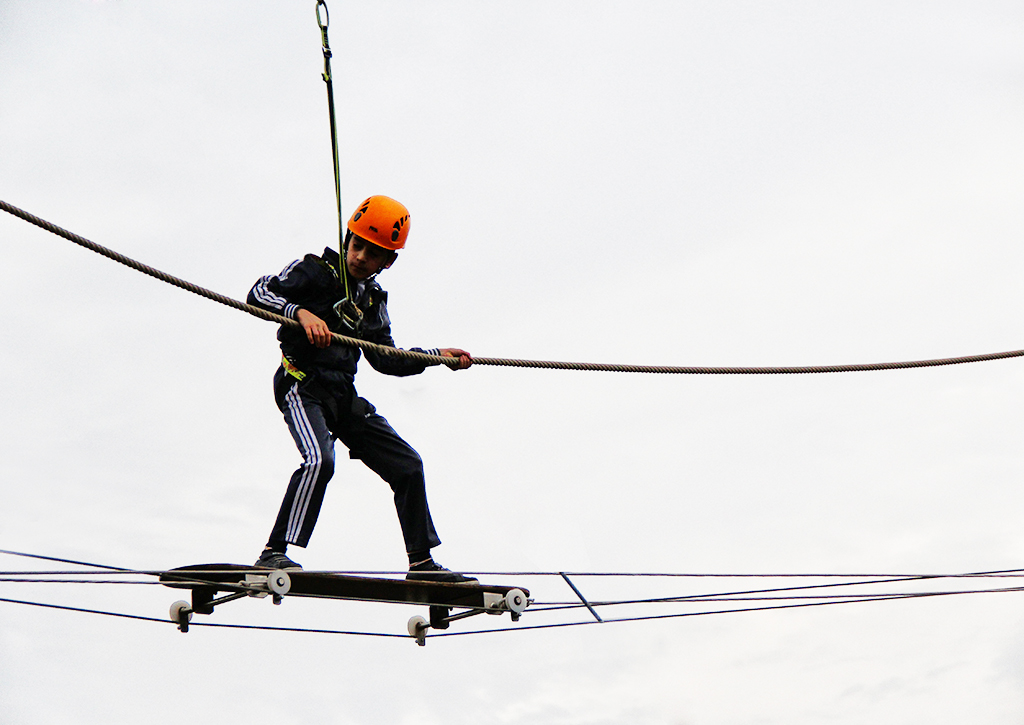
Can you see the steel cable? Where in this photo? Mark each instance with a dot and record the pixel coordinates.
(522, 628)
(494, 361)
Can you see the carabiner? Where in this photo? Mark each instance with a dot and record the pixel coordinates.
(351, 316)
(327, 16)
(323, 23)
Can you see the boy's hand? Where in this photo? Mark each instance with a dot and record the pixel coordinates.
(465, 359)
(316, 329)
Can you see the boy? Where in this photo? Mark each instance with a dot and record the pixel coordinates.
(315, 385)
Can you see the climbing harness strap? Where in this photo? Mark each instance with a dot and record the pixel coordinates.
(310, 385)
(289, 367)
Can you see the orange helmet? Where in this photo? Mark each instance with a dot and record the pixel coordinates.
(382, 221)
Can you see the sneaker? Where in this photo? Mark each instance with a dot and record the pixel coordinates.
(275, 560)
(431, 571)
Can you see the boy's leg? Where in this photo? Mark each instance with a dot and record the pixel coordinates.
(305, 417)
(385, 453)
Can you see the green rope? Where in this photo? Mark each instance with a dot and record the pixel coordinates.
(328, 79)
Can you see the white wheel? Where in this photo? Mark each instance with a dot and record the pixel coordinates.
(516, 601)
(417, 625)
(181, 614)
(279, 583)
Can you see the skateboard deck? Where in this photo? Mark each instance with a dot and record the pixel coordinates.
(234, 581)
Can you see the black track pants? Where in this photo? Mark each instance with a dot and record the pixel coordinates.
(373, 441)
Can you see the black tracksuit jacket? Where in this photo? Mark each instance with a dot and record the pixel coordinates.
(312, 283)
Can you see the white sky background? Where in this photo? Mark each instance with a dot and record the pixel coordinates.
(760, 183)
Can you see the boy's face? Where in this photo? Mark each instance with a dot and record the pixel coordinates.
(365, 259)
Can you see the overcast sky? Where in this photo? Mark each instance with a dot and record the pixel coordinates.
(678, 183)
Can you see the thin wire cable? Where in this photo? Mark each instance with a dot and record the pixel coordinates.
(556, 625)
(139, 617)
(770, 594)
(63, 561)
(538, 607)
(502, 362)
(680, 615)
(880, 578)
(740, 595)
(83, 610)
(28, 580)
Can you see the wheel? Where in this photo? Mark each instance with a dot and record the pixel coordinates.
(416, 625)
(516, 601)
(179, 609)
(418, 628)
(181, 614)
(279, 583)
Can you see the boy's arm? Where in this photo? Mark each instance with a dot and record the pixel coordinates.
(283, 293)
(317, 332)
(275, 293)
(402, 366)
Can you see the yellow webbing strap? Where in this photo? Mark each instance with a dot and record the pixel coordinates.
(292, 370)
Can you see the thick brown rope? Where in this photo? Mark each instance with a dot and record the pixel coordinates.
(208, 294)
(503, 362)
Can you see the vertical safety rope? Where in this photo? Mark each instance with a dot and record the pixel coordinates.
(324, 22)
